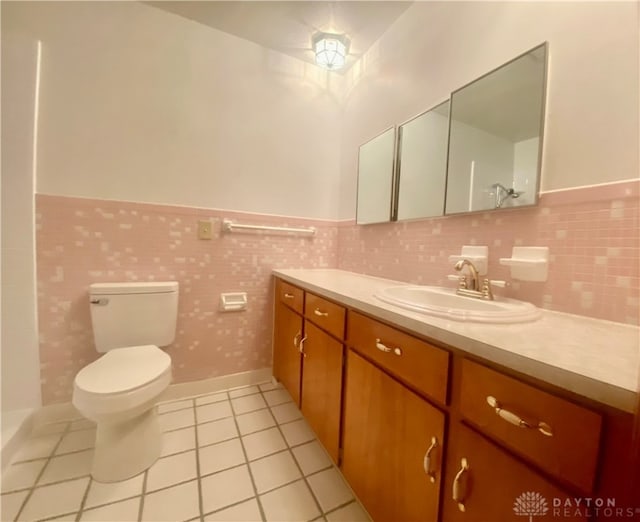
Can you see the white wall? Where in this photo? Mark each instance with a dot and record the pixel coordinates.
(591, 133)
(20, 356)
(143, 105)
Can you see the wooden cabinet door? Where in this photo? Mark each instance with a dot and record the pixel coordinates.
(387, 433)
(286, 355)
(322, 386)
(495, 486)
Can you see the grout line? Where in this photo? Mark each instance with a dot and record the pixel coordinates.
(53, 517)
(84, 499)
(345, 504)
(229, 506)
(289, 448)
(246, 460)
(143, 494)
(197, 449)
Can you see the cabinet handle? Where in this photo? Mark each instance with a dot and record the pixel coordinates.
(289, 296)
(320, 313)
(516, 420)
(301, 346)
(426, 463)
(458, 494)
(386, 349)
(296, 339)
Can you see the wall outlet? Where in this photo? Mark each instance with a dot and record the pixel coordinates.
(205, 229)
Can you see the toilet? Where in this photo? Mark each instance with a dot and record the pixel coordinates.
(119, 390)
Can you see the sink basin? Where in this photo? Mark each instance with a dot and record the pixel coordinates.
(444, 302)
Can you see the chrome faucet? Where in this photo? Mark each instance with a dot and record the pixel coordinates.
(473, 274)
(503, 193)
(473, 288)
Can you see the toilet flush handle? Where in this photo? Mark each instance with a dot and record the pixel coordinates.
(103, 301)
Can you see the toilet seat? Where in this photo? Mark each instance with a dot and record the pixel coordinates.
(122, 379)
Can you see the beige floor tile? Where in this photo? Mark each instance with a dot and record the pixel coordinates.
(103, 493)
(247, 511)
(82, 424)
(220, 456)
(76, 441)
(124, 511)
(226, 488)
(171, 470)
(290, 503)
(165, 407)
(176, 419)
(286, 412)
(176, 503)
(248, 403)
(37, 447)
(214, 397)
(275, 397)
(297, 432)
(72, 465)
(274, 471)
(178, 441)
(255, 421)
(22, 475)
(216, 431)
(263, 443)
(11, 504)
(49, 428)
(55, 499)
(330, 489)
(213, 411)
(267, 386)
(311, 457)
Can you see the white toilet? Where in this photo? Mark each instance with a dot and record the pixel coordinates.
(119, 391)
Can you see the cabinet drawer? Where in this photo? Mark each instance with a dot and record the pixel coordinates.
(413, 361)
(290, 295)
(559, 436)
(325, 314)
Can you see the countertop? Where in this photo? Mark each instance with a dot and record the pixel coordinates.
(596, 359)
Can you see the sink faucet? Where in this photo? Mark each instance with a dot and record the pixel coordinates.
(473, 274)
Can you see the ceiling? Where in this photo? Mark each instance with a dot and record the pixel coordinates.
(287, 27)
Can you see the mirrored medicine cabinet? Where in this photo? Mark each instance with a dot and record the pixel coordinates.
(478, 151)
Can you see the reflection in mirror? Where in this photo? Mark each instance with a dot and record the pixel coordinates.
(495, 137)
(375, 178)
(422, 164)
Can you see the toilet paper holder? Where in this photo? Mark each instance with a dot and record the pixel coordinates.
(233, 301)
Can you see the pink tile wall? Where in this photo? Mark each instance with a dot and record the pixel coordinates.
(82, 241)
(593, 235)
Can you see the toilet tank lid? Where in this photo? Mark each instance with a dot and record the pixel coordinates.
(150, 287)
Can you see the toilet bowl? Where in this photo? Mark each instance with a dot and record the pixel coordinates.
(120, 389)
(119, 392)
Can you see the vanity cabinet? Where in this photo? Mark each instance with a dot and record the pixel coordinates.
(392, 445)
(484, 483)
(287, 334)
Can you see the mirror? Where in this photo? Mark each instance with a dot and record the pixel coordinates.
(495, 137)
(422, 164)
(375, 178)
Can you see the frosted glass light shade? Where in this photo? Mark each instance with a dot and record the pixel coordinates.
(331, 50)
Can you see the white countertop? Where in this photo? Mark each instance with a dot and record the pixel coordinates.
(593, 358)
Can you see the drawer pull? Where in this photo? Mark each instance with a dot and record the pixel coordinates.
(426, 464)
(289, 296)
(386, 349)
(382, 347)
(516, 420)
(458, 494)
(320, 313)
(296, 339)
(301, 346)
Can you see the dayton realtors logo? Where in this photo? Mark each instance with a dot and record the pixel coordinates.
(533, 504)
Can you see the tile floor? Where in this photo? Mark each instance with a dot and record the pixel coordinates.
(241, 455)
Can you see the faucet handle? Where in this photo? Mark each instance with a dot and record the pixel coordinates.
(498, 283)
(461, 279)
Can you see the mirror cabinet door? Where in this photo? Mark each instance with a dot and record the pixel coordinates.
(422, 164)
(495, 137)
(375, 178)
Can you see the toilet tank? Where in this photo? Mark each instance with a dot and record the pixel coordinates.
(133, 314)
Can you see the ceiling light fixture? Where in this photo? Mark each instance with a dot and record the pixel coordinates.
(331, 50)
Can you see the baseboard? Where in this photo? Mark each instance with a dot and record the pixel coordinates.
(67, 411)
